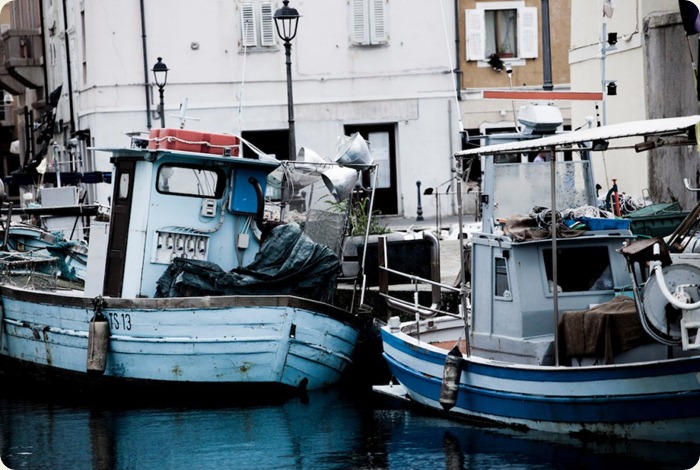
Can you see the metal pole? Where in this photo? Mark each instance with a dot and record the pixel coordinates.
(161, 106)
(603, 50)
(546, 49)
(419, 209)
(555, 260)
(290, 101)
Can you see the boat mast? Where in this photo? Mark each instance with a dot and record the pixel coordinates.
(555, 277)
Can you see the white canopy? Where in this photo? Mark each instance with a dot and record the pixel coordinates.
(652, 127)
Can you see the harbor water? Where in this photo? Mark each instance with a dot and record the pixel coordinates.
(331, 429)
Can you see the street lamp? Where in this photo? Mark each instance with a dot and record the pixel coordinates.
(286, 20)
(160, 73)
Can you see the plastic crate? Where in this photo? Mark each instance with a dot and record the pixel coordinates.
(594, 223)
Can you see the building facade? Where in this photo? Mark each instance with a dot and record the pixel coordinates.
(650, 61)
(383, 69)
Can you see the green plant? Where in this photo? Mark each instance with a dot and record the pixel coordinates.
(359, 217)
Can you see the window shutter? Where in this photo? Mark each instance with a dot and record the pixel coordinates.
(528, 39)
(248, 30)
(378, 21)
(476, 34)
(360, 21)
(267, 28)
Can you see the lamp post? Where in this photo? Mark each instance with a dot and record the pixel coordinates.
(286, 20)
(160, 73)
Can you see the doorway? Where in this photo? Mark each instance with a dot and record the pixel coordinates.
(382, 144)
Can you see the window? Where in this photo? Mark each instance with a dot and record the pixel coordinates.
(257, 25)
(190, 181)
(368, 22)
(501, 284)
(591, 269)
(508, 29)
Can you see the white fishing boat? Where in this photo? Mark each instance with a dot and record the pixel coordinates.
(580, 329)
(191, 282)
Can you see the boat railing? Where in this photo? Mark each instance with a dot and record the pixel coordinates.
(406, 306)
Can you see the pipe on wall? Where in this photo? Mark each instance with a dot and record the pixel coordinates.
(145, 66)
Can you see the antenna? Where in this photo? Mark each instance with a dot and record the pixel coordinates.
(182, 116)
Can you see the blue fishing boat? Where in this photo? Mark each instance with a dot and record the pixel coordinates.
(194, 280)
(568, 323)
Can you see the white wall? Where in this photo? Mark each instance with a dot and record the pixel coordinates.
(626, 66)
(335, 83)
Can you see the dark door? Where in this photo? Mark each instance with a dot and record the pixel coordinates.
(119, 227)
(382, 144)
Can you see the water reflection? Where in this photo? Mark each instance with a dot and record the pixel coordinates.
(330, 430)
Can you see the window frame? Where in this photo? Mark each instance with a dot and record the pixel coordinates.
(262, 35)
(527, 35)
(368, 22)
(218, 190)
(507, 293)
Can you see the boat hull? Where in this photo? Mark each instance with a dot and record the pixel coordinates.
(219, 340)
(657, 400)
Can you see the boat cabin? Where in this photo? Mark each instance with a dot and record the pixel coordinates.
(170, 203)
(512, 264)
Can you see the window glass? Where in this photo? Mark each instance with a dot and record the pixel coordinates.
(501, 285)
(580, 269)
(501, 32)
(190, 181)
(124, 186)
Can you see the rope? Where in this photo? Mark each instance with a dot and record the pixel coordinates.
(171, 139)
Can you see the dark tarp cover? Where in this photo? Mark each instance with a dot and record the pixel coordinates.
(288, 263)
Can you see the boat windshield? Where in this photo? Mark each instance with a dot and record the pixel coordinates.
(519, 187)
(193, 181)
(580, 269)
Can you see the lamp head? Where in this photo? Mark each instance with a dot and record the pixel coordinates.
(286, 20)
(160, 73)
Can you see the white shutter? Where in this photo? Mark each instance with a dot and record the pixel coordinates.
(360, 22)
(248, 29)
(476, 34)
(267, 28)
(377, 16)
(528, 39)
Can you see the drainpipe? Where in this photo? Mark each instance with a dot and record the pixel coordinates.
(458, 63)
(68, 67)
(546, 49)
(145, 67)
(43, 52)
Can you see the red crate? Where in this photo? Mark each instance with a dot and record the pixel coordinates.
(217, 143)
(183, 140)
(153, 137)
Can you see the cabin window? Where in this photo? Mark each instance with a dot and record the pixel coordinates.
(501, 284)
(508, 29)
(183, 180)
(124, 186)
(580, 269)
(368, 25)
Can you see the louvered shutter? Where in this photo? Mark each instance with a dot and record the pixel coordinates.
(267, 28)
(378, 21)
(528, 39)
(248, 29)
(360, 21)
(476, 34)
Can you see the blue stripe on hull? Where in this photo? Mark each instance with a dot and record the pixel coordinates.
(502, 405)
(554, 374)
(505, 405)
